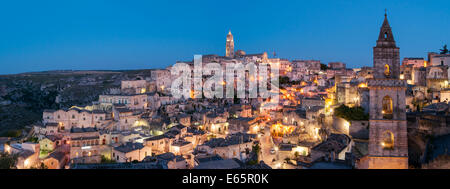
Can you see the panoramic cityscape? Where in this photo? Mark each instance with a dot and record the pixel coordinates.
(266, 112)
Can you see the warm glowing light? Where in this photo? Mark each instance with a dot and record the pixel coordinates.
(362, 85)
(347, 124)
(7, 148)
(26, 163)
(278, 165)
(143, 90)
(402, 76)
(176, 149)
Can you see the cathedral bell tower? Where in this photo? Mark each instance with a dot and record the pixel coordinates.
(229, 47)
(388, 143)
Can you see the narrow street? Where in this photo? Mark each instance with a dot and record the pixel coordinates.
(266, 146)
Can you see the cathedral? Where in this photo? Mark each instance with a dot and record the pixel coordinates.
(388, 143)
(229, 46)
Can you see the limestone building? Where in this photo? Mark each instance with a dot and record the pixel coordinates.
(229, 52)
(388, 145)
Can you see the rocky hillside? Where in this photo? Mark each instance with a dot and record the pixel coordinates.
(23, 97)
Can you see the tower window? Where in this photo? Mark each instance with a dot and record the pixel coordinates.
(385, 35)
(387, 108)
(387, 71)
(388, 140)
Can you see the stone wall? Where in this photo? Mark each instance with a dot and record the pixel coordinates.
(359, 129)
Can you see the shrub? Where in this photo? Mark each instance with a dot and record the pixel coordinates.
(349, 114)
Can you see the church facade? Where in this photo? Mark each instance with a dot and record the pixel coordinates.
(388, 143)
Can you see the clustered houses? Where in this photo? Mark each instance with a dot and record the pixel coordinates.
(143, 124)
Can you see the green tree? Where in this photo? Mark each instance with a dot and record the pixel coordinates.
(14, 133)
(284, 80)
(323, 67)
(444, 50)
(7, 161)
(256, 149)
(107, 160)
(349, 114)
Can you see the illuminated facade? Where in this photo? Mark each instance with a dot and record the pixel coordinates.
(388, 145)
(229, 45)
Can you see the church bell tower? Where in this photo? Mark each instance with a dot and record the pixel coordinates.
(229, 51)
(388, 143)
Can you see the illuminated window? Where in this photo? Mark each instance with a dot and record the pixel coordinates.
(387, 107)
(388, 140)
(387, 71)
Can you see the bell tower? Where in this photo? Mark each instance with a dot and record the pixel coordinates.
(229, 47)
(386, 56)
(388, 143)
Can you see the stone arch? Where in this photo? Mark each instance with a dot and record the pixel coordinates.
(388, 139)
(387, 107)
(387, 70)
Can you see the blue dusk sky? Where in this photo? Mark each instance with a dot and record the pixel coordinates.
(112, 35)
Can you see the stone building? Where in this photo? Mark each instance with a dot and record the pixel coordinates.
(74, 117)
(233, 146)
(366, 72)
(388, 145)
(132, 101)
(85, 145)
(437, 77)
(163, 79)
(435, 59)
(336, 65)
(130, 151)
(134, 86)
(415, 62)
(229, 52)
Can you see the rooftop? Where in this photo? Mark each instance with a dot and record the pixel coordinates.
(233, 139)
(335, 143)
(129, 147)
(219, 164)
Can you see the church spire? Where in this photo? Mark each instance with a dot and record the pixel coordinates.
(385, 38)
(229, 47)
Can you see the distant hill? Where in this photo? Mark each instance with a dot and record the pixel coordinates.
(24, 96)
